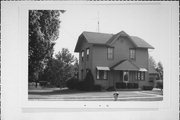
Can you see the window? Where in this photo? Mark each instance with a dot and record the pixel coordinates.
(110, 53)
(140, 76)
(132, 54)
(82, 55)
(87, 53)
(101, 74)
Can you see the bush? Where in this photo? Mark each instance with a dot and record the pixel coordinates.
(43, 83)
(97, 88)
(136, 85)
(159, 84)
(111, 88)
(147, 87)
(81, 86)
(128, 85)
(72, 83)
(88, 82)
(121, 85)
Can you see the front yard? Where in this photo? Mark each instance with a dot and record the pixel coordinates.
(74, 95)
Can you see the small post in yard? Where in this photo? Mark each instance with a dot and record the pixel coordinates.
(115, 96)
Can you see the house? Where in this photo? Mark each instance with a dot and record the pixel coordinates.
(113, 58)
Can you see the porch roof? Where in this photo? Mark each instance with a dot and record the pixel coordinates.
(125, 65)
(102, 68)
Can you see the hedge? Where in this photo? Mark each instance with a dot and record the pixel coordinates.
(128, 85)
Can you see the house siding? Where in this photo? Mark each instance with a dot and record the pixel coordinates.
(142, 61)
(98, 56)
(85, 64)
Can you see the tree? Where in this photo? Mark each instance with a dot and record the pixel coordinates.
(159, 69)
(67, 59)
(152, 62)
(89, 81)
(43, 32)
(59, 69)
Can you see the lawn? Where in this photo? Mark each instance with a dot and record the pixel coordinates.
(74, 95)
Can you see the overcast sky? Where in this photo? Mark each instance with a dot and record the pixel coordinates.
(149, 22)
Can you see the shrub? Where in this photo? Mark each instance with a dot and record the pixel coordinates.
(159, 84)
(89, 81)
(112, 88)
(72, 83)
(97, 88)
(147, 87)
(130, 85)
(136, 85)
(120, 85)
(43, 83)
(81, 86)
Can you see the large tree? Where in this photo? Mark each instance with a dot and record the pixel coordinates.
(152, 62)
(43, 32)
(59, 69)
(159, 69)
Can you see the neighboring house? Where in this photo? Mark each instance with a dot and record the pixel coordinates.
(113, 58)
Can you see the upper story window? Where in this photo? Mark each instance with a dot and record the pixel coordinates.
(87, 53)
(132, 54)
(110, 53)
(82, 55)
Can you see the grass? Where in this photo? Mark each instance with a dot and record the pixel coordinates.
(66, 94)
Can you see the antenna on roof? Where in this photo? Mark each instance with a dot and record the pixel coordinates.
(98, 21)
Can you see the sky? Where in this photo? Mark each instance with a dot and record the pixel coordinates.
(152, 23)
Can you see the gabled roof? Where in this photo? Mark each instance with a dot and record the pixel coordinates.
(140, 43)
(97, 38)
(107, 39)
(125, 65)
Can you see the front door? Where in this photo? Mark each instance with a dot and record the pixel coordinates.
(126, 76)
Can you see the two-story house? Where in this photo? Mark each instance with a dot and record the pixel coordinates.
(113, 58)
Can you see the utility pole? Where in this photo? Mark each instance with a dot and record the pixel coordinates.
(98, 21)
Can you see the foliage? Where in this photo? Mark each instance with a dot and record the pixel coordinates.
(157, 66)
(152, 62)
(97, 88)
(59, 69)
(43, 32)
(159, 69)
(72, 83)
(89, 81)
(127, 85)
(159, 84)
(147, 87)
(112, 88)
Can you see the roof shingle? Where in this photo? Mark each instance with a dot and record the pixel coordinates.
(107, 39)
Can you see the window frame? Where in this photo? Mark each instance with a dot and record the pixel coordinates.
(112, 53)
(98, 74)
(82, 55)
(87, 53)
(132, 55)
(139, 75)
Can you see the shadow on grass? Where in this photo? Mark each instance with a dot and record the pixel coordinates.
(55, 92)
